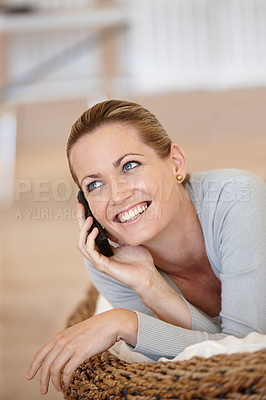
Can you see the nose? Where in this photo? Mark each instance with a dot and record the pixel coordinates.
(120, 192)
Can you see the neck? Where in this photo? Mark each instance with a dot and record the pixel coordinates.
(180, 249)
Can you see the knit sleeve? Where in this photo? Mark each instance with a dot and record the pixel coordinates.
(158, 339)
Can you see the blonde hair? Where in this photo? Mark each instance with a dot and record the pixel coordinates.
(149, 129)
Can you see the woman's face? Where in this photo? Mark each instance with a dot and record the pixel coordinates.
(131, 191)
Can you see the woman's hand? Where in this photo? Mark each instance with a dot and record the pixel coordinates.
(69, 348)
(131, 265)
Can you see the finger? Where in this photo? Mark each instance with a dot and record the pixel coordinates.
(90, 243)
(72, 365)
(38, 360)
(80, 214)
(82, 246)
(84, 232)
(50, 369)
(56, 373)
(91, 249)
(44, 382)
(58, 365)
(88, 248)
(99, 261)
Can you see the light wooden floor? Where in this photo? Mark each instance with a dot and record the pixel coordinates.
(43, 276)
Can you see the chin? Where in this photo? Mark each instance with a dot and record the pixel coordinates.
(133, 242)
(138, 238)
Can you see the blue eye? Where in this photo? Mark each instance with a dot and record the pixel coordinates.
(93, 185)
(130, 165)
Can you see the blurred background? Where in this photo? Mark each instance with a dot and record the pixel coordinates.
(198, 65)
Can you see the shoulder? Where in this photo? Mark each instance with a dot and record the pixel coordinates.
(224, 184)
(231, 207)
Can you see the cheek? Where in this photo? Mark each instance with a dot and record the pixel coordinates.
(97, 206)
(164, 188)
(151, 183)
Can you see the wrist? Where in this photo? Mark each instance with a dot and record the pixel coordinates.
(154, 289)
(126, 326)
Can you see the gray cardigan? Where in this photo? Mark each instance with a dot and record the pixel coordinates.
(231, 207)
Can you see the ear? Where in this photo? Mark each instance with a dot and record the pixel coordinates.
(177, 158)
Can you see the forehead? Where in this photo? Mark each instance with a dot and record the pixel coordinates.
(106, 144)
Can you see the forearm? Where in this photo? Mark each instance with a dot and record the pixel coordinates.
(168, 305)
(120, 295)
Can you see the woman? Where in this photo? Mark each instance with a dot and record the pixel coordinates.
(191, 258)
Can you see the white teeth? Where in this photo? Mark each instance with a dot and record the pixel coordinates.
(132, 214)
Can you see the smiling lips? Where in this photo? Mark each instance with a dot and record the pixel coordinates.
(132, 213)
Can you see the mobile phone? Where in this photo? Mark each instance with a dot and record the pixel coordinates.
(101, 239)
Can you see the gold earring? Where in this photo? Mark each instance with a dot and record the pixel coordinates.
(179, 177)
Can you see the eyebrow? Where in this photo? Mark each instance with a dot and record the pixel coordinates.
(115, 164)
(118, 162)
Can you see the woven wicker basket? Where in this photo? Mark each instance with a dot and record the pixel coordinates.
(237, 376)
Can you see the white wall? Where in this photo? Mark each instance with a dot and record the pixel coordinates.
(162, 45)
(191, 44)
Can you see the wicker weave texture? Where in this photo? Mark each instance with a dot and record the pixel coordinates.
(238, 376)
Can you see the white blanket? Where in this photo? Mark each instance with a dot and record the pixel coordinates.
(229, 345)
